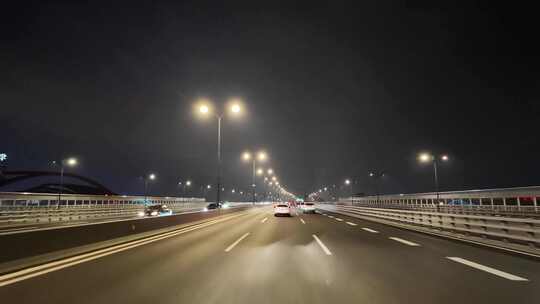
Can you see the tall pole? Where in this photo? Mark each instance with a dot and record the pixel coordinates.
(377, 188)
(145, 190)
(61, 184)
(436, 178)
(219, 162)
(253, 181)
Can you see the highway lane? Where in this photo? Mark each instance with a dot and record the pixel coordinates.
(279, 260)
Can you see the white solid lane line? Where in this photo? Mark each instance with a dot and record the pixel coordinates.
(18, 229)
(338, 219)
(324, 248)
(35, 271)
(236, 242)
(494, 271)
(370, 230)
(403, 241)
(302, 220)
(352, 224)
(264, 220)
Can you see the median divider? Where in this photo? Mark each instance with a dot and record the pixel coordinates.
(32, 248)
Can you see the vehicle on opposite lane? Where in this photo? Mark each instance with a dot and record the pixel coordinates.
(155, 210)
(212, 206)
(282, 210)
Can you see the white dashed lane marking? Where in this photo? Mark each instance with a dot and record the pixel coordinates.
(494, 271)
(404, 241)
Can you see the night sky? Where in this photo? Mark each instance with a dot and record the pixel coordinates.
(332, 91)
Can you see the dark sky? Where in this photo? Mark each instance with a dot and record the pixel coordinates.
(332, 91)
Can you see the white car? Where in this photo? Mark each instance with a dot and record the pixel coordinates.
(282, 209)
(308, 208)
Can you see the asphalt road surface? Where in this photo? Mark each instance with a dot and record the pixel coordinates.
(254, 257)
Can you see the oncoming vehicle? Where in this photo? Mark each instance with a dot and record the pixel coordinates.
(212, 206)
(155, 210)
(282, 209)
(308, 207)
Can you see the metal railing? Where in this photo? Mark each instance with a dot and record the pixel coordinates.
(520, 201)
(23, 208)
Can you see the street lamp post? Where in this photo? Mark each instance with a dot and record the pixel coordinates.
(377, 176)
(71, 162)
(147, 178)
(204, 109)
(261, 156)
(349, 183)
(427, 157)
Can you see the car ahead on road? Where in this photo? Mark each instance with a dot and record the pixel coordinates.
(308, 207)
(155, 210)
(282, 210)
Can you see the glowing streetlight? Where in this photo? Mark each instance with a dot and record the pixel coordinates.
(260, 171)
(262, 156)
(274, 178)
(246, 156)
(71, 161)
(425, 157)
(208, 186)
(188, 183)
(203, 109)
(347, 182)
(428, 157)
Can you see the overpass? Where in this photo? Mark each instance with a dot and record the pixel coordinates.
(347, 252)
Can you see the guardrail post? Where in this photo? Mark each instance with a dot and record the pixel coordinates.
(535, 203)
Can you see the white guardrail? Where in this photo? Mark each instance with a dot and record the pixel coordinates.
(26, 208)
(507, 229)
(520, 201)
